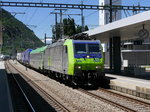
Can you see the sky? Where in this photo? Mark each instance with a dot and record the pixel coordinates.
(43, 20)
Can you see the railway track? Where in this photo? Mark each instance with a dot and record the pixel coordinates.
(125, 103)
(54, 103)
(121, 102)
(140, 102)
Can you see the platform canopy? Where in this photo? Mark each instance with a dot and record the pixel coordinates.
(127, 28)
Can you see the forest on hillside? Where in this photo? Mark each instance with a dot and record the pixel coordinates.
(17, 37)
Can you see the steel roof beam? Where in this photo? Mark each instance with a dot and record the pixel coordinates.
(72, 6)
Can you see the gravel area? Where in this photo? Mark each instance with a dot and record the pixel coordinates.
(135, 106)
(73, 99)
(142, 99)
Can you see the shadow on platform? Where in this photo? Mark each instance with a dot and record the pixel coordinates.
(5, 99)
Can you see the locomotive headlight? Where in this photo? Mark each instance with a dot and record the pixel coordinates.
(78, 67)
(98, 67)
(88, 56)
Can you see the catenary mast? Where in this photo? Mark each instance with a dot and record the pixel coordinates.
(104, 15)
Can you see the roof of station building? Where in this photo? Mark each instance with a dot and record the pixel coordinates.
(125, 28)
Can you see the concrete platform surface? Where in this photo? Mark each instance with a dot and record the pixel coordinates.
(137, 85)
(5, 99)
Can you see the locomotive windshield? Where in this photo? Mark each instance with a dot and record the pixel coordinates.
(80, 48)
(86, 48)
(93, 48)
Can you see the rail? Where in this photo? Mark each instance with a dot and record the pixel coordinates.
(116, 104)
(125, 97)
(106, 100)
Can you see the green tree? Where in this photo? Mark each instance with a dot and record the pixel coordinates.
(79, 29)
(65, 24)
(86, 28)
(70, 28)
(56, 33)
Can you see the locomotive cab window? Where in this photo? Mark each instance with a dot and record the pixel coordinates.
(93, 48)
(80, 48)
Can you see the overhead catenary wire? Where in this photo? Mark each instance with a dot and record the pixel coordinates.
(88, 15)
(25, 11)
(85, 1)
(33, 13)
(67, 10)
(125, 13)
(82, 19)
(40, 23)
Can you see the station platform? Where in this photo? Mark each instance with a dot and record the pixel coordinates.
(5, 98)
(133, 86)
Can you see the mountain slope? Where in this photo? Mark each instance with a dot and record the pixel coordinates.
(16, 36)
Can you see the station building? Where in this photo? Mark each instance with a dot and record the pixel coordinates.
(127, 41)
